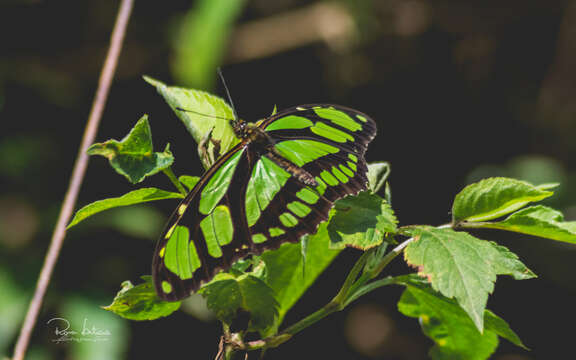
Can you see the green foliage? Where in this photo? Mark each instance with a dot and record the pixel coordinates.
(140, 302)
(132, 198)
(444, 321)
(460, 266)
(361, 221)
(495, 197)
(378, 173)
(189, 181)
(95, 327)
(290, 272)
(12, 309)
(196, 54)
(134, 156)
(539, 221)
(457, 270)
(206, 120)
(226, 295)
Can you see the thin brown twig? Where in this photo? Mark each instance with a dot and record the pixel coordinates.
(80, 165)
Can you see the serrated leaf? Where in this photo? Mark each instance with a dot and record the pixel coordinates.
(227, 295)
(378, 173)
(214, 111)
(505, 262)
(454, 334)
(134, 156)
(461, 266)
(133, 197)
(189, 181)
(223, 297)
(361, 221)
(289, 273)
(140, 302)
(495, 197)
(539, 221)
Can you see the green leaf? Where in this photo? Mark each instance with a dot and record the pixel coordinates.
(189, 181)
(94, 327)
(505, 262)
(378, 173)
(133, 197)
(214, 110)
(361, 221)
(461, 266)
(226, 295)
(13, 302)
(197, 55)
(495, 197)
(140, 302)
(288, 276)
(539, 221)
(134, 156)
(454, 334)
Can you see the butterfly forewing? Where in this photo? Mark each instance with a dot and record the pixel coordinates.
(247, 202)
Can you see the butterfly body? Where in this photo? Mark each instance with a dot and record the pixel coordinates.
(276, 185)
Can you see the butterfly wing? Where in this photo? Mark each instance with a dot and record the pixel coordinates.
(328, 142)
(206, 231)
(246, 203)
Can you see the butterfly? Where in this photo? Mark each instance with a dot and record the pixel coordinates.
(276, 185)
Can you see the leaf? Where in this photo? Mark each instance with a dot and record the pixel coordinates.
(461, 266)
(288, 276)
(495, 197)
(140, 302)
(454, 334)
(202, 120)
(94, 327)
(227, 295)
(189, 181)
(378, 173)
(539, 221)
(133, 197)
(197, 55)
(134, 156)
(13, 303)
(361, 221)
(505, 262)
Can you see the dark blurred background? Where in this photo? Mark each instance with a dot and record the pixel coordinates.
(460, 90)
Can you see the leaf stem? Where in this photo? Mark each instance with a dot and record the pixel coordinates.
(387, 259)
(351, 279)
(328, 309)
(354, 287)
(168, 171)
(473, 225)
(76, 179)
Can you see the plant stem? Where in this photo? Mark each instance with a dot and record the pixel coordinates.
(80, 166)
(387, 259)
(328, 309)
(352, 289)
(168, 171)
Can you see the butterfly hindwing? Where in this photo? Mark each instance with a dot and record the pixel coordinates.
(248, 202)
(204, 230)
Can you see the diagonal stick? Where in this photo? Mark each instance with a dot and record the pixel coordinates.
(104, 83)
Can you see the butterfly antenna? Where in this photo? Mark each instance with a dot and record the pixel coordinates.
(199, 113)
(228, 94)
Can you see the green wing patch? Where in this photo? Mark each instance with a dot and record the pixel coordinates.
(252, 200)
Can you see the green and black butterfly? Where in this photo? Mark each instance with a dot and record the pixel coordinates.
(276, 185)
